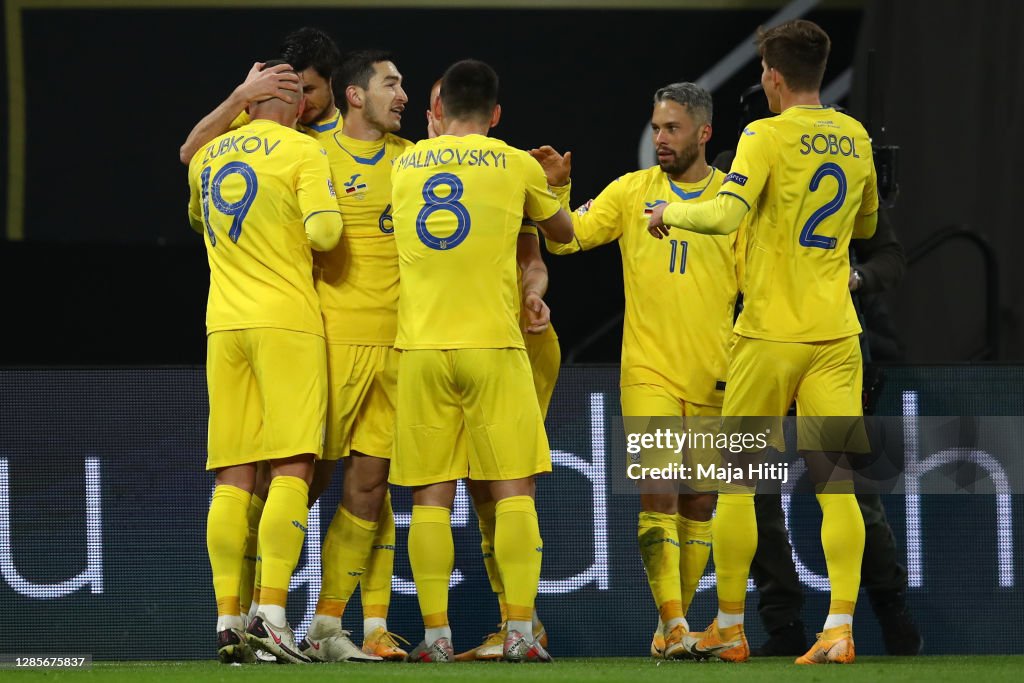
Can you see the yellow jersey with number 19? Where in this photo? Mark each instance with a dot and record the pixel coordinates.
(458, 206)
(805, 175)
(252, 189)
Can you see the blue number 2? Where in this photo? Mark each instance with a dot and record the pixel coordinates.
(450, 203)
(237, 210)
(807, 236)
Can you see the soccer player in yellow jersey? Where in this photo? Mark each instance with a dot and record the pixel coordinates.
(545, 358)
(307, 52)
(358, 287)
(806, 182)
(679, 311)
(263, 196)
(463, 373)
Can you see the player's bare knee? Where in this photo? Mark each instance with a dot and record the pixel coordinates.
(697, 506)
(507, 488)
(441, 494)
(240, 476)
(666, 503)
(298, 466)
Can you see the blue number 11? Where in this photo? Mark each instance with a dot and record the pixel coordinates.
(680, 247)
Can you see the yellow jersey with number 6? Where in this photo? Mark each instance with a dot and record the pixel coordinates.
(252, 189)
(805, 175)
(358, 280)
(459, 202)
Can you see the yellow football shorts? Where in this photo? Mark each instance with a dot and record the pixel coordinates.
(825, 378)
(363, 384)
(545, 360)
(649, 407)
(485, 395)
(268, 395)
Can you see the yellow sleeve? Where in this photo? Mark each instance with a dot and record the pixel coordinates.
(864, 226)
(195, 211)
(562, 194)
(749, 171)
(317, 200)
(869, 202)
(541, 203)
(240, 120)
(720, 216)
(595, 224)
(323, 230)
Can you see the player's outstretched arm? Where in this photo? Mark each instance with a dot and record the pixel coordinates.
(277, 81)
(558, 228)
(535, 282)
(720, 216)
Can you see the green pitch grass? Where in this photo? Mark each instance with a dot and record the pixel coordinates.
(867, 669)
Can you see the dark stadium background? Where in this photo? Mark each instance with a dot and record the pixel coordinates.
(104, 273)
(108, 270)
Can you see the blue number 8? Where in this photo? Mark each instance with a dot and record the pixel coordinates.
(450, 203)
(237, 210)
(807, 236)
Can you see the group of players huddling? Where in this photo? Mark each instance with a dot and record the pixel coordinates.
(380, 303)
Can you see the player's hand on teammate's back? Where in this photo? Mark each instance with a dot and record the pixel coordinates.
(557, 167)
(278, 81)
(656, 224)
(537, 312)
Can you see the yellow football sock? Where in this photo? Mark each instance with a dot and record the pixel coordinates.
(842, 539)
(734, 541)
(257, 580)
(659, 549)
(694, 550)
(432, 557)
(282, 532)
(345, 554)
(518, 550)
(245, 587)
(375, 586)
(485, 516)
(225, 542)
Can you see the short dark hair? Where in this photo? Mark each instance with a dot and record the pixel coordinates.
(696, 99)
(355, 68)
(311, 47)
(469, 90)
(275, 62)
(798, 50)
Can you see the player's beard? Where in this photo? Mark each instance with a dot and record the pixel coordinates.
(684, 158)
(373, 116)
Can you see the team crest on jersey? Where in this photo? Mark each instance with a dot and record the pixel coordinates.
(354, 188)
(649, 206)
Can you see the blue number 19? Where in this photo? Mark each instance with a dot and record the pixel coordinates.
(237, 210)
(807, 236)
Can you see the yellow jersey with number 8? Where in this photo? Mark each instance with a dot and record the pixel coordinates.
(459, 202)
